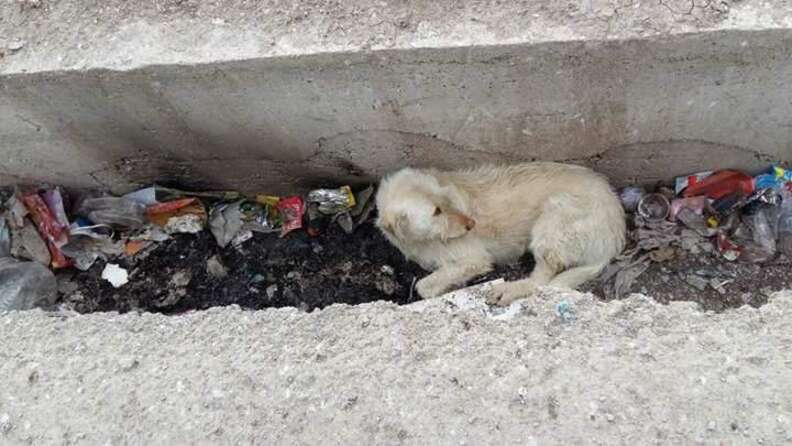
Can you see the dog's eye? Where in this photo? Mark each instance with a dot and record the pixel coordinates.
(437, 211)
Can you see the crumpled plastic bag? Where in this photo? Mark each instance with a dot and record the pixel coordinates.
(118, 212)
(25, 285)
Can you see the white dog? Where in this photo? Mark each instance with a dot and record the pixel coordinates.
(459, 224)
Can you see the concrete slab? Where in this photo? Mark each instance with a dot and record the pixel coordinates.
(624, 372)
(279, 96)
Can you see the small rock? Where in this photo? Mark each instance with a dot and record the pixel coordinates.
(176, 289)
(66, 286)
(16, 45)
(5, 424)
(127, 363)
(387, 269)
(718, 285)
(609, 416)
(387, 286)
(271, 290)
(258, 278)
(215, 267)
(294, 275)
(181, 279)
(711, 426)
(663, 254)
(697, 282)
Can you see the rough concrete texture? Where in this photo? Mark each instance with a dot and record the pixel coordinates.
(280, 95)
(624, 372)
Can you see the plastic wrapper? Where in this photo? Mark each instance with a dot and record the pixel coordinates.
(291, 210)
(775, 177)
(48, 227)
(762, 246)
(317, 222)
(654, 207)
(85, 250)
(630, 196)
(5, 237)
(26, 243)
(784, 224)
(225, 222)
(117, 212)
(229, 220)
(681, 183)
(699, 205)
(695, 221)
(345, 221)
(54, 198)
(187, 215)
(267, 200)
(88, 243)
(332, 201)
(721, 184)
(25, 285)
(728, 249)
(158, 194)
(116, 275)
(16, 212)
(256, 217)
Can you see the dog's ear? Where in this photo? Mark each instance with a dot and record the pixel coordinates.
(455, 224)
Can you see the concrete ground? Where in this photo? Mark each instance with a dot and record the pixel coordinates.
(625, 372)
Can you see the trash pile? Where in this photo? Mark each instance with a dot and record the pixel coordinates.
(46, 231)
(723, 234)
(728, 215)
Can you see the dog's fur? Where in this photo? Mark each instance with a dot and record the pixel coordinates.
(459, 224)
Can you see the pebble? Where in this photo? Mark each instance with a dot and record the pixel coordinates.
(711, 426)
(697, 282)
(609, 416)
(271, 290)
(387, 269)
(181, 279)
(127, 363)
(16, 45)
(215, 267)
(5, 424)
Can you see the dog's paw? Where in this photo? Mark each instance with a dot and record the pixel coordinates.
(429, 287)
(504, 293)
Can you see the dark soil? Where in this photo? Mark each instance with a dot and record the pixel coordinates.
(743, 283)
(266, 271)
(314, 272)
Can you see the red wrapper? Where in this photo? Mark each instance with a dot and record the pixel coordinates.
(48, 228)
(291, 210)
(721, 184)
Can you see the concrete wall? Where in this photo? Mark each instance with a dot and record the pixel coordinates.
(636, 108)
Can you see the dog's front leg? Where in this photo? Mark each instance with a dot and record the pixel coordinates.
(448, 277)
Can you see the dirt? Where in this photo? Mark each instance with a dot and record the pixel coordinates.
(714, 284)
(190, 272)
(266, 271)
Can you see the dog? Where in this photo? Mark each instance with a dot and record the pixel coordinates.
(459, 224)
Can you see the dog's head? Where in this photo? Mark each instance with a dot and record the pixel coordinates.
(413, 207)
